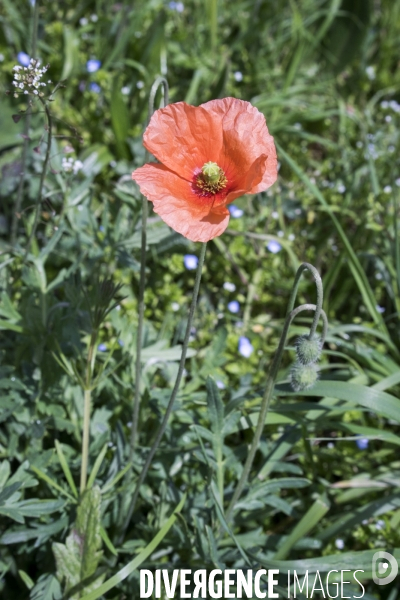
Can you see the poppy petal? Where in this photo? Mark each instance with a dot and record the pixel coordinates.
(177, 205)
(209, 227)
(245, 138)
(183, 138)
(249, 180)
(163, 187)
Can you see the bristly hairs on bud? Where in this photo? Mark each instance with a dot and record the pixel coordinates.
(308, 349)
(303, 377)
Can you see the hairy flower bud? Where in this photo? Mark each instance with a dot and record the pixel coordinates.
(303, 377)
(308, 350)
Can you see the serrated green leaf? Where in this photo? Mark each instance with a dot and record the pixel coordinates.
(78, 558)
(7, 492)
(46, 588)
(88, 522)
(139, 559)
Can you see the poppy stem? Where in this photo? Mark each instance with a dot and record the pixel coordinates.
(142, 282)
(266, 400)
(136, 402)
(163, 426)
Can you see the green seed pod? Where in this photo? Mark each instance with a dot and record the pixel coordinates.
(303, 377)
(308, 350)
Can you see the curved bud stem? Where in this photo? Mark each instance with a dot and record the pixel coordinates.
(320, 294)
(290, 315)
(153, 91)
(142, 281)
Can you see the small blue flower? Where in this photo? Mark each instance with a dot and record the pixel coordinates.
(236, 212)
(190, 261)
(362, 443)
(101, 228)
(274, 246)
(234, 306)
(380, 309)
(339, 544)
(245, 347)
(178, 6)
(121, 343)
(238, 76)
(102, 348)
(94, 87)
(220, 385)
(23, 59)
(93, 65)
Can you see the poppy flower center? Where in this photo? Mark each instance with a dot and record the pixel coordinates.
(211, 179)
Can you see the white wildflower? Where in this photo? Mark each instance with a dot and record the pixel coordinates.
(29, 78)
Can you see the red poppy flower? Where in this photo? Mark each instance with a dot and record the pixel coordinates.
(209, 155)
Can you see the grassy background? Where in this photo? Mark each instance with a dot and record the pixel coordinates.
(325, 74)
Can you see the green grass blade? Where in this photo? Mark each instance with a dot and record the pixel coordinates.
(212, 10)
(26, 579)
(52, 483)
(281, 447)
(107, 541)
(353, 561)
(355, 266)
(224, 523)
(388, 382)
(351, 518)
(115, 480)
(304, 526)
(97, 466)
(381, 403)
(396, 238)
(66, 469)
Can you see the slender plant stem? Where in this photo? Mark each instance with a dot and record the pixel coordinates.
(42, 177)
(27, 124)
(320, 293)
(266, 400)
(136, 401)
(85, 439)
(86, 410)
(163, 426)
(35, 28)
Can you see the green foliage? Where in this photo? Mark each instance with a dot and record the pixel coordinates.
(78, 559)
(46, 588)
(325, 74)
